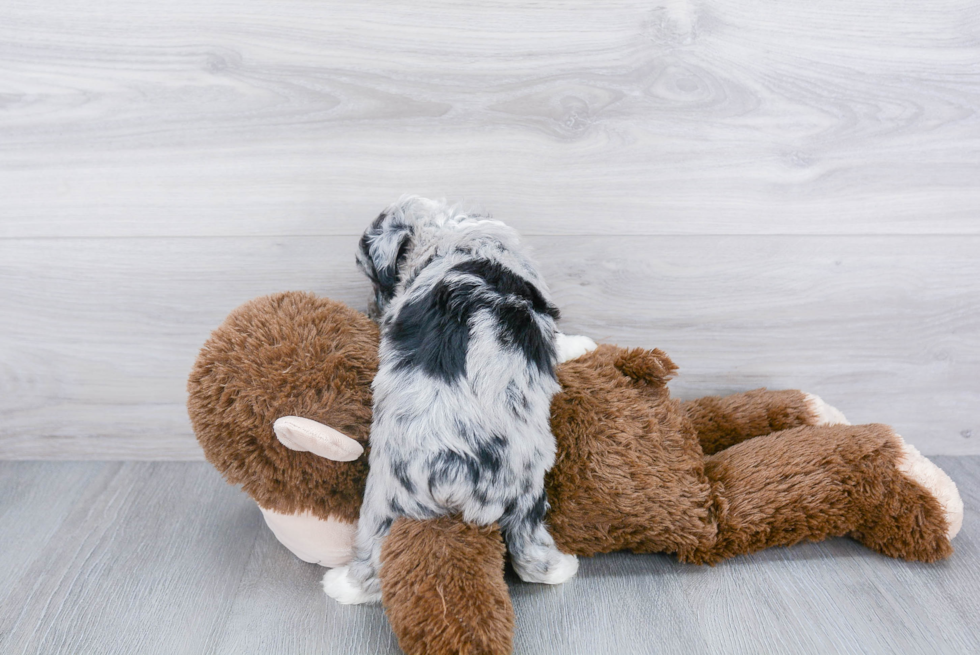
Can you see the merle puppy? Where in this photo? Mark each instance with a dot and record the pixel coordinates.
(463, 390)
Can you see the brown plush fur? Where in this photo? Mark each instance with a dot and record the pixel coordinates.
(444, 589)
(286, 354)
(811, 483)
(705, 479)
(629, 472)
(725, 421)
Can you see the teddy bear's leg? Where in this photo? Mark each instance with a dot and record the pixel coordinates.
(810, 483)
(443, 589)
(723, 421)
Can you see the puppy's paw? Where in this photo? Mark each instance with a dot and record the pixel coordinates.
(916, 467)
(559, 568)
(573, 346)
(338, 584)
(823, 413)
(564, 569)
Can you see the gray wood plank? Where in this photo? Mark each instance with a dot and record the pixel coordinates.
(885, 328)
(35, 500)
(281, 608)
(95, 346)
(287, 117)
(148, 560)
(164, 558)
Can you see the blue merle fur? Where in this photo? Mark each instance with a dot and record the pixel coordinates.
(462, 394)
(432, 332)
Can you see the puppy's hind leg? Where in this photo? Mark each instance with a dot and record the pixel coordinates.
(358, 582)
(532, 550)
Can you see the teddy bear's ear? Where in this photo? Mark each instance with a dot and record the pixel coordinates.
(304, 435)
(651, 366)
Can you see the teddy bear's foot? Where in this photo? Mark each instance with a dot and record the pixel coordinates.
(917, 511)
(919, 469)
(822, 413)
(832, 480)
(339, 585)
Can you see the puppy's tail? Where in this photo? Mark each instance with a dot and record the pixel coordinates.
(442, 586)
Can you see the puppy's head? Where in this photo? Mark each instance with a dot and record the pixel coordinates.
(411, 225)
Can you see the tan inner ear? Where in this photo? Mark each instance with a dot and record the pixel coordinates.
(305, 435)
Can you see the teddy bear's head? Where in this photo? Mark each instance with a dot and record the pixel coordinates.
(288, 354)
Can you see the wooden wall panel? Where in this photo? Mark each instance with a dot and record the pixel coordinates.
(665, 117)
(785, 195)
(96, 343)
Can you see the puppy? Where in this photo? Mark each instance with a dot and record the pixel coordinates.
(463, 391)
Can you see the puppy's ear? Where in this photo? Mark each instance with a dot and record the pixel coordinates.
(389, 273)
(381, 251)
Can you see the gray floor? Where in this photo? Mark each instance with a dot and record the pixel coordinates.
(164, 557)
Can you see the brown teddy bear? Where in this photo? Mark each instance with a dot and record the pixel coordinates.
(280, 400)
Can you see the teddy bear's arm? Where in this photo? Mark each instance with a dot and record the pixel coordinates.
(723, 421)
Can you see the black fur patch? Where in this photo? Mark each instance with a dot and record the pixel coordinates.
(517, 299)
(386, 277)
(399, 469)
(432, 332)
(490, 455)
(385, 526)
(507, 283)
(449, 465)
(518, 330)
(536, 514)
(364, 246)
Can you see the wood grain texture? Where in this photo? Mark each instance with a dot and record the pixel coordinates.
(257, 117)
(165, 558)
(132, 567)
(96, 345)
(784, 196)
